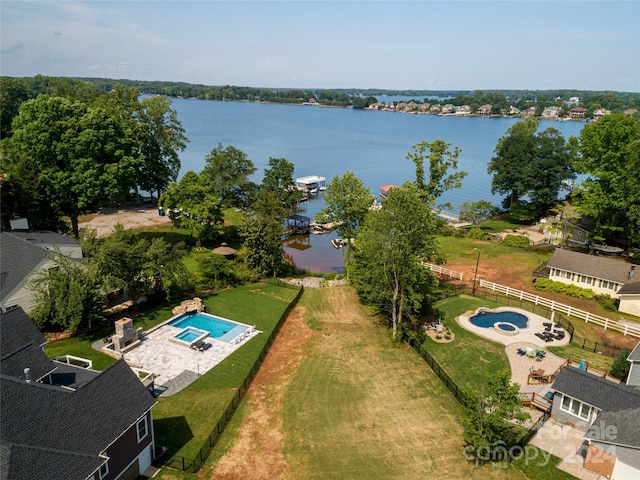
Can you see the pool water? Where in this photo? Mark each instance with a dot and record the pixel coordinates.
(507, 327)
(218, 328)
(488, 319)
(188, 335)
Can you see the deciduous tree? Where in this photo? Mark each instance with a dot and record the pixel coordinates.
(193, 205)
(262, 234)
(387, 271)
(475, 212)
(490, 415)
(609, 153)
(441, 161)
(347, 203)
(75, 158)
(228, 169)
(278, 178)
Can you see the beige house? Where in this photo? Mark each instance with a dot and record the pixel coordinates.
(551, 112)
(600, 112)
(484, 110)
(578, 112)
(604, 276)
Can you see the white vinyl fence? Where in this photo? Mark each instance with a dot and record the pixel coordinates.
(568, 310)
(443, 271)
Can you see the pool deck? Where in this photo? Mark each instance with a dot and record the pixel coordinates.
(168, 360)
(521, 365)
(524, 335)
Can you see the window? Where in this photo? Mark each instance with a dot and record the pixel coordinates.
(142, 429)
(104, 469)
(575, 407)
(585, 279)
(608, 285)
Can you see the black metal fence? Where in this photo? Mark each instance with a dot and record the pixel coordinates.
(193, 464)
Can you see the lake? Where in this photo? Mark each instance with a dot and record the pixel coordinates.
(331, 141)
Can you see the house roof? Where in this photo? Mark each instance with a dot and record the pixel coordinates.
(631, 288)
(43, 238)
(620, 405)
(591, 265)
(17, 259)
(18, 330)
(597, 391)
(41, 422)
(25, 461)
(634, 356)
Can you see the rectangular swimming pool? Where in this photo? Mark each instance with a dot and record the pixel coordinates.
(218, 328)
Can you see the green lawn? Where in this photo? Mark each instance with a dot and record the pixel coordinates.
(183, 421)
(468, 358)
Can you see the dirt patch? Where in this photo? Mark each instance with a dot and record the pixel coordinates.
(258, 451)
(130, 216)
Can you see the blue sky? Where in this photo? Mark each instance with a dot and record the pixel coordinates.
(437, 45)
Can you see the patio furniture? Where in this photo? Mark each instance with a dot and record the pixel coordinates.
(205, 346)
(522, 352)
(541, 336)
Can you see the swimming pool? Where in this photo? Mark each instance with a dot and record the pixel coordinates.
(486, 319)
(218, 328)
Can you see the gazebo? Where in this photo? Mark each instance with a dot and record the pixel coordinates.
(224, 250)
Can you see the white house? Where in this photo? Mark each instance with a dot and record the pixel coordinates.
(608, 413)
(602, 275)
(22, 255)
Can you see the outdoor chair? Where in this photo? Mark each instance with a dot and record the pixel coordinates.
(541, 336)
(522, 352)
(205, 346)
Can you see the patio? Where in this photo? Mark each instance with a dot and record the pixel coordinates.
(169, 361)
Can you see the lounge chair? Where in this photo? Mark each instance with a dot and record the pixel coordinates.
(197, 345)
(540, 354)
(541, 336)
(205, 346)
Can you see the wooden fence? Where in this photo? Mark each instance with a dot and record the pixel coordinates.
(568, 310)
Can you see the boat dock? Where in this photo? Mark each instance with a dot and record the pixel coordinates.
(311, 184)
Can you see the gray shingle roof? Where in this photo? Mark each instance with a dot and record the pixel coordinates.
(591, 265)
(620, 405)
(17, 259)
(631, 288)
(634, 356)
(45, 425)
(596, 391)
(17, 329)
(43, 237)
(24, 462)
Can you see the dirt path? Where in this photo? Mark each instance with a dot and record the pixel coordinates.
(130, 216)
(261, 430)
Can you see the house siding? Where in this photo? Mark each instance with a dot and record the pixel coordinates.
(559, 275)
(126, 450)
(630, 304)
(622, 471)
(568, 417)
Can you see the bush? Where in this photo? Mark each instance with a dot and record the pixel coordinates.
(609, 303)
(546, 285)
(620, 364)
(517, 241)
(478, 234)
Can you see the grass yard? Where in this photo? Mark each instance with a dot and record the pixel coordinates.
(468, 358)
(183, 421)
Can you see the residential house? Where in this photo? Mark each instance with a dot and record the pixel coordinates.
(464, 110)
(608, 413)
(484, 110)
(448, 108)
(435, 108)
(61, 421)
(578, 112)
(573, 101)
(551, 112)
(22, 255)
(602, 275)
(600, 112)
(513, 110)
(529, 111)
(630, 111)
(629, 296)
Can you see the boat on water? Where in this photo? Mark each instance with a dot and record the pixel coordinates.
(340, 242)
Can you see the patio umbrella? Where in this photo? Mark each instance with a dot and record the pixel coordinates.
(225, 250)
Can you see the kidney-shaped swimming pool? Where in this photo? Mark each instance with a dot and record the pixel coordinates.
(489, 319)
